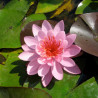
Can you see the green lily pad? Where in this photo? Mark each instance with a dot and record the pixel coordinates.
(13, 72)
(87, 6)
(89, 89)
(59, 89)
(45, 6)
(11, 19)
(22, 93)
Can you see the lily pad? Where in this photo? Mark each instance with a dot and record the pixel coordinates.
(87, 32)
(87, 6)
(89, 89)
(13, 72)
(48, 5)
(11, 19)
(22, 93)
(59, 89)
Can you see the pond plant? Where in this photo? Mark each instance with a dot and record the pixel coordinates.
(48, 48)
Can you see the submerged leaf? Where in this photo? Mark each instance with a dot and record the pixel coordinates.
(66, 12)
(66, 5)
(2, 59)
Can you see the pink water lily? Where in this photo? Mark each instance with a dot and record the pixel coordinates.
(50, 52)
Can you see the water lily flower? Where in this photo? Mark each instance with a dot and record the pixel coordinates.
(50, 52)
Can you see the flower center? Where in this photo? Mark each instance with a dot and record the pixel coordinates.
(51, 47)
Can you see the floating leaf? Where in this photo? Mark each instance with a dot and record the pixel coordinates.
(13, 73)
(87, 32)
(22, 93)
(11, 18)
(48, 5)
(59, 89)
(89, 89)
(87, 6)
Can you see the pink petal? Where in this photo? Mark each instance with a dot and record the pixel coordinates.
(58, 58)
(41, 35)
(32, 67)
(46, 79)
(67, 62)
(38, 50)
(41, 60)
(46, 26)
(50, 33)
(43, 70)
(26, 48)
(64, 44)
(72, 70)
(26, 56)
(30, 41)
(70, 38)
(57, 71)
(59, 27)
(71, 51)
(33, 72)
(35, 29)
(50, 62)
(61, 35)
